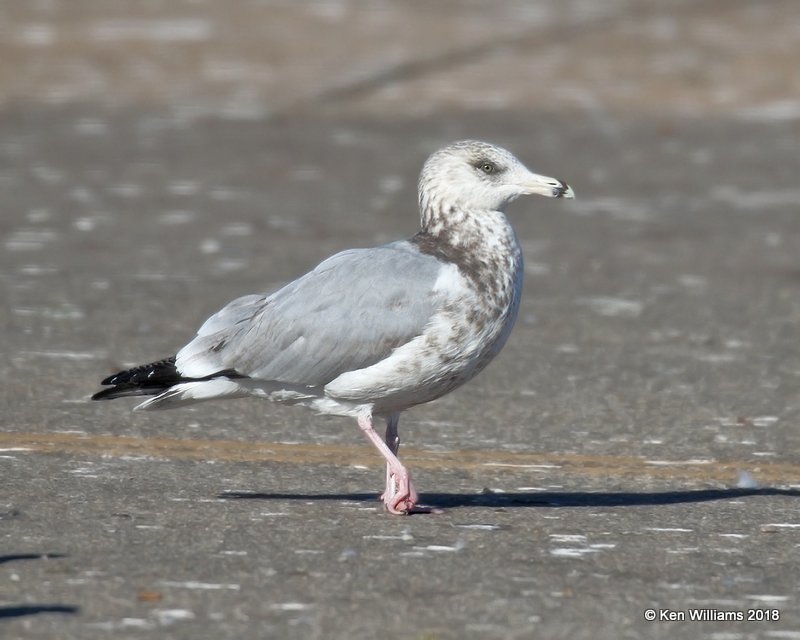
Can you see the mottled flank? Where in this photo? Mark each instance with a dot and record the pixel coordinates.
(372, 332)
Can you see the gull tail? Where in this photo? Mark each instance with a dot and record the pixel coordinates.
(163, 380)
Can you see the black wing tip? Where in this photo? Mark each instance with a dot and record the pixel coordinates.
(110, 380)
(102, 394)
(111, 393)
(144, 380)
(163, 370)
(126, 390)
(150, 379)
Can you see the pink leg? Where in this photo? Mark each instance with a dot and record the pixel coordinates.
(392, 440)
(399, 498)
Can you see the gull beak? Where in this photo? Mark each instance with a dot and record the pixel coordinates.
(533, 183)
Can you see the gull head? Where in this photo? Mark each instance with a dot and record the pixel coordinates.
(478, 176)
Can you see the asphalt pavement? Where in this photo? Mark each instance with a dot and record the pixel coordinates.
(633, 452)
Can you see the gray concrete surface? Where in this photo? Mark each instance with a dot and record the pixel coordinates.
(634, 447)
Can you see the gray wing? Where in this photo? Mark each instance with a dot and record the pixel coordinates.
(348, 313)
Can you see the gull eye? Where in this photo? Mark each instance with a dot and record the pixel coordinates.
(488, 168)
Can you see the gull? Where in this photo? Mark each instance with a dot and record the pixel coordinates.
(372, 332)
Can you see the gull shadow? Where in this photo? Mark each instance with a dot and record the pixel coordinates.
(540, 499)
(14, 557)
(255, 495)
(21, 610)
